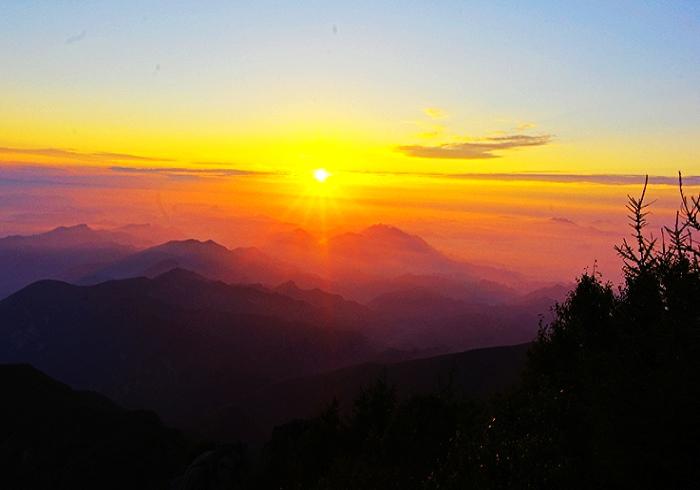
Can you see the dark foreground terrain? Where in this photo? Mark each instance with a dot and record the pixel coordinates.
(54, 437)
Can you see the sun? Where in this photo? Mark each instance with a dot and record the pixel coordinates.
(321, 174)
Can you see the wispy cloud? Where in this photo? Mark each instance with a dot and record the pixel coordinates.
(476, 150)
(76, 38)
(126, 156)
(70, 154)
(523, 126)
(435, 113)
(188, 172)
(22, 175)
(561, 220)
(50, 166)
(606, 179)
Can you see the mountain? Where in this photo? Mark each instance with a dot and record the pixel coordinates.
(148, 234)
(359, 266)
(65, 253)
(178, 343)
(208, 258)
(387, 248)
(472, 291)
(419, 317)
(69, 237)
(52, 436)
(417, 302)
(364, 264)
(335, 309)
(381, 241)
(474, 373)
(546, 296)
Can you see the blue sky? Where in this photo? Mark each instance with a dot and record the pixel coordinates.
(603, 77)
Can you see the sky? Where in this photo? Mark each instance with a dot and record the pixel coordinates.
(231, 105)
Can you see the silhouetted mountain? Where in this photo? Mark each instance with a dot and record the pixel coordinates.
(420, 317)
(415, 312)
(416, 320)
(546, 296)
(240, 265)
(77, 236)
(375, 260)
(178, 343)
(396, 252)
(148, 234)
(415, 302)
(384, 240)
(54, 437)
(335, 309)
(388, 250)
(65, 253)
(476, 373)
(471, 291)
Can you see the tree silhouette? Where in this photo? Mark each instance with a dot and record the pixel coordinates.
(611, 390)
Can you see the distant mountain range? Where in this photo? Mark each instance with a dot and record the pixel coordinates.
(186, 327)
(69, 252)
(240, 265)
(379, 254)
(65, 253)
(359, 266)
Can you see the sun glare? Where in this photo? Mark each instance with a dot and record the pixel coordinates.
(321, 174)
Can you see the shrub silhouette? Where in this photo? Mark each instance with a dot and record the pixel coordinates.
(611, 390)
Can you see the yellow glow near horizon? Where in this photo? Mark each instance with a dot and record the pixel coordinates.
(321, 174)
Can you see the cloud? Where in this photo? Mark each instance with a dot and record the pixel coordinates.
(76, 38)
(22, 175)
(126, 156)
(435, 113)
(523, 126)
(17, 175)
(71, 154)
(606, 179)
(567, 223)
(475, 150)
(186, 172)
(561, 220)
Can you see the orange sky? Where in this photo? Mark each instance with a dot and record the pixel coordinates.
(550, 227)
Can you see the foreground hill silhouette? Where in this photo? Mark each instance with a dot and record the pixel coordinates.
(474, 374)
(183, 345)
(179, 343)
(54, 437)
